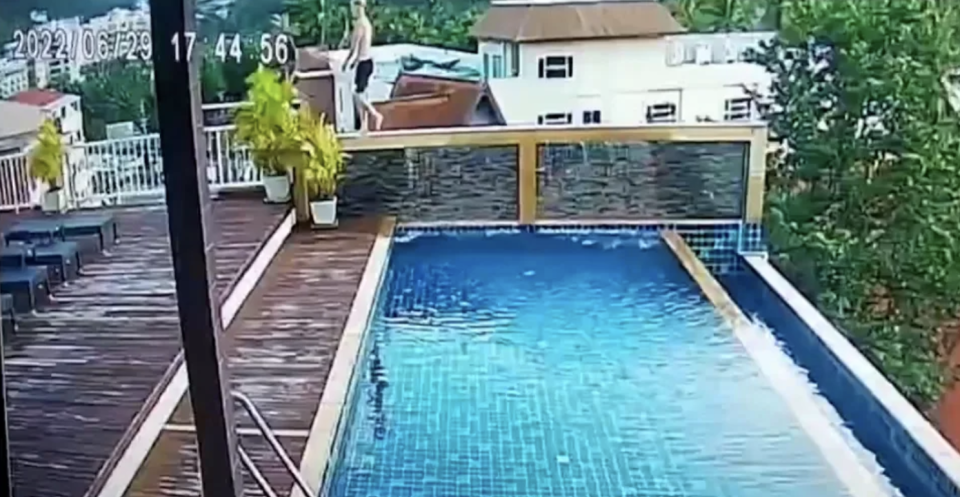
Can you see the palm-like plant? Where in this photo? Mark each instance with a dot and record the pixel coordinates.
(323, 158)
(268, 125)
(46, 159)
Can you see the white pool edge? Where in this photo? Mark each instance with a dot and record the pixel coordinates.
(318, 451)
(149, 432)
(912, 421)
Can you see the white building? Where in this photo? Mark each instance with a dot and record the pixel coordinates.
(14, 77)
(63, 109)
(613, 63)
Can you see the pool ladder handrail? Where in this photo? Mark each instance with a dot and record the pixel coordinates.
(274, 444)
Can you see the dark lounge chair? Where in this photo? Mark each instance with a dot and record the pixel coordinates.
(9, 316)
(63, 257)
(35, 230)
(104, 226)
(27, 284)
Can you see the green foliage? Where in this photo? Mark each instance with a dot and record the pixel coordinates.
(46, 158)
(433, 22)
(269, 126)
(864, 199)
(705, 16)
(323, 157)
(114, 92)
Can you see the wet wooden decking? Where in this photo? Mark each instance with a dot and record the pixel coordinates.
(281, 348)
(81, 368)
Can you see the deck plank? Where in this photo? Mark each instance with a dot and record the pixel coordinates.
(81, 367)
(281, 346)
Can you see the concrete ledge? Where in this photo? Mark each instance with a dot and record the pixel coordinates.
(146, 435)
(323, 431)
(781, 372)
(912, 421)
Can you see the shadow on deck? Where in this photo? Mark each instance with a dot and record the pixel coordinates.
(81, 367)
(280, 348)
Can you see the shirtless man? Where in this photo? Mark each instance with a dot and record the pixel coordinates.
(359, 57)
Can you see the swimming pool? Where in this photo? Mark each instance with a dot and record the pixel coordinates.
(534, 364)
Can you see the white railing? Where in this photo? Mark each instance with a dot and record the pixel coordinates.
(17, 188)
(130, 170)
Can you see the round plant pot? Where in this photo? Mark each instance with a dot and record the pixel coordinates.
(277, 189)
(324, 213)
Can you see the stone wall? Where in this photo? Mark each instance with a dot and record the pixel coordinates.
(579, 180)
(642, 180)
(436, 184)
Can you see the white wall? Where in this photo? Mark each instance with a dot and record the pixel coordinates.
(13, 78)
(622, 77)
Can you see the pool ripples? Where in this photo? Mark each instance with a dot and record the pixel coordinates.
(533, 365)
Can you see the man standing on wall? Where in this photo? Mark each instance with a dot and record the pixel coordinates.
(360, 57)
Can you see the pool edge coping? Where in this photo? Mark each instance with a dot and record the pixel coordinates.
(775, 367)
(118, 481)
(923, 433)
(320, 445)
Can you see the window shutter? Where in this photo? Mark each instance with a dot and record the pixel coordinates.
(569, 67)
(540, 68)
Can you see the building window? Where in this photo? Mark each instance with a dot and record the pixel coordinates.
(514, 59)
(486, 66)
(737, 109)
(591, 117)
(497, 61)
(662, 113)
(555, 119)
(556, 67)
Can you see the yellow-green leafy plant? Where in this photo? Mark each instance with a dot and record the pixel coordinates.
(46, 159)
(323, 158)
(268, 125)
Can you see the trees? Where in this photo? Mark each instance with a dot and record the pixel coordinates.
(864, 202)
(433, 22)
(707, 16)
(114, 91)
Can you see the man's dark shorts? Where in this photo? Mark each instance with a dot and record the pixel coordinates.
(362, 78)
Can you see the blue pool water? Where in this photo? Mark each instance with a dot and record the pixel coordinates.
(562, 365)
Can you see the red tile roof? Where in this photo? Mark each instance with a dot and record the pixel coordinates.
(37, 98)
(431, 102)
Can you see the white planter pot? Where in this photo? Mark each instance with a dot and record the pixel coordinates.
(54, 201)
(277, 188)
(324, 213)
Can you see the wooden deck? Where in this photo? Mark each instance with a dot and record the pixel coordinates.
(81, 368)
(281, 348)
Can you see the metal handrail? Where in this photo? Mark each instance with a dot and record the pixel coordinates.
(278, 449)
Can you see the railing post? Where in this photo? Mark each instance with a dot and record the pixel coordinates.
(189, 212)
(756, 176)
(527, 166)
(300, 201)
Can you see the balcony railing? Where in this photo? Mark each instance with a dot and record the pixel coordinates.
(125, 170)
(17, 188)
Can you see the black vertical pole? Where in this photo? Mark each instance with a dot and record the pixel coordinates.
(6, 472)
(176, 58)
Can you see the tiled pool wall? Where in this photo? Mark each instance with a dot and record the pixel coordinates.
(907, 465)
(575, 180)
(357, 375)
(716, 244)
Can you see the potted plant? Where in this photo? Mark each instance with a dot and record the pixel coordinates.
(268, 127)
(322, 163)
(46, 166)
